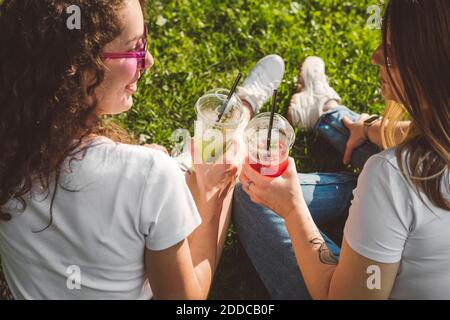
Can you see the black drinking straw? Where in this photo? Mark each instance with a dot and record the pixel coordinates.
(272, 115)
(233, 89)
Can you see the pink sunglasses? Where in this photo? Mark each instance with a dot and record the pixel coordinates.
(140, 54)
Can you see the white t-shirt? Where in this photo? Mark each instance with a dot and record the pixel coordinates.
(117, 201)
(389, 223)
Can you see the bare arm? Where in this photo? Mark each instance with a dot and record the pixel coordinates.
(357, 136)
(225, 215)
(204, 241)
(325, 277)
(185, 271)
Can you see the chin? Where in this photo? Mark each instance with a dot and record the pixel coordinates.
(127, 104)
(120, 110)
(387, 93)
(390, 97)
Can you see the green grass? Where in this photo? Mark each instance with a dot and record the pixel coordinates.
(202, 44)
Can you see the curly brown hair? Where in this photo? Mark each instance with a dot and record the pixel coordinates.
(45, 118)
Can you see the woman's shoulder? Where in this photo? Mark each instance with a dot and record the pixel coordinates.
(389, 161)
(382, 174)
(109, 156)
(383, 170)
(125, 150)
(385, 162)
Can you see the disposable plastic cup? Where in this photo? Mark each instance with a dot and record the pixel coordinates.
(213, 137)
(272, 161)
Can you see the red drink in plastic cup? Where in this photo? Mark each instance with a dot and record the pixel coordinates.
(272, 160)
(273, 167)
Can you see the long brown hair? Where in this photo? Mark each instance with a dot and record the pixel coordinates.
(420, 46)
(44, 116)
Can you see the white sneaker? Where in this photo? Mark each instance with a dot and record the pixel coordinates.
(265, 77)
(307, 106)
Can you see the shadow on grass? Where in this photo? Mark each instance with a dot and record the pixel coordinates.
(236, 278)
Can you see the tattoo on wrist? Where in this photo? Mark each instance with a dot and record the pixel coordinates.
(325, 255)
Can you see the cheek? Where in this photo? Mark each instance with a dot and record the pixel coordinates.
(112, 93)
(130, 68)
(394, 83)
(123, 71)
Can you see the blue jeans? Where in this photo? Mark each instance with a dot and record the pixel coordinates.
(263, 233)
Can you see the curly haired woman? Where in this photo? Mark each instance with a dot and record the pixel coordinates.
(85, 215)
